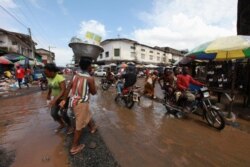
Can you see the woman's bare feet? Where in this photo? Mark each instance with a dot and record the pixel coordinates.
(77, 149)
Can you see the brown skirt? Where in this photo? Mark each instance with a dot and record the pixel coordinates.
(82, 114)
(149, 89)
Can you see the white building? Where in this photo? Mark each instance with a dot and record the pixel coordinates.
(12, 42)
(126, 50)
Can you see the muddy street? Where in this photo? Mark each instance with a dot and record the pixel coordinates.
(146, 136)
(141, 136)
(27, 129)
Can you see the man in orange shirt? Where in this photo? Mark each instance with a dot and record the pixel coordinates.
(183, 82)
(20, 75)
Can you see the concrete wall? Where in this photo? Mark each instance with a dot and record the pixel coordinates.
(19, 47)
(125, 51)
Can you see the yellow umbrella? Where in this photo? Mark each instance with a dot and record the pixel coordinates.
(224, 48)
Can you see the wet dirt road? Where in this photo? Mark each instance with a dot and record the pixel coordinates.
(145, 136)
(27, 128)
(142, 136)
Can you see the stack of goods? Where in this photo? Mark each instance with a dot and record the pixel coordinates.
(7, 85)
(218, 75)
(85, 49)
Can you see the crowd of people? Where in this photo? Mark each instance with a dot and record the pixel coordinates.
(75, 95)
(175, 81)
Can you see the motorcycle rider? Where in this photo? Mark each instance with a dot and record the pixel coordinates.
(110, 76)
(183, 82)
(169, 81)
(129, 77)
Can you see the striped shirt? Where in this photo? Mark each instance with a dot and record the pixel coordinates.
(80, 89)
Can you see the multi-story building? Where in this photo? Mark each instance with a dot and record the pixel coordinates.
(13, 42)
(47, 56)
(177, 55)
(126, 50)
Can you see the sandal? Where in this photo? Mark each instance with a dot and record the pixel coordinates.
(70, 131)
(93, 130)
(58, 129)
(77, 150)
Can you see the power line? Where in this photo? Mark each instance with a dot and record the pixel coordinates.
(21, 22)
(13, 16)
(34, 28)
(45, 39)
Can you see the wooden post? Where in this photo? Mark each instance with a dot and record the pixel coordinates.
(248, 83)
(232, 94)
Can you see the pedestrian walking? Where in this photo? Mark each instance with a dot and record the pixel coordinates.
(20, 73)
(150, 85)
(57, 87)
(79, 90)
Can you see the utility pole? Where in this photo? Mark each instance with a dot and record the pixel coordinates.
(50, 47)
(32, 44)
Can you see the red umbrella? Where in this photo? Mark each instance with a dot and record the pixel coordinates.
(3, 60)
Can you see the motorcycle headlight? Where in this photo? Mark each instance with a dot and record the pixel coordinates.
(206, 94)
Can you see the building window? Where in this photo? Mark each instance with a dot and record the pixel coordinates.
(150, 57)
(133, 54)
(158, 58)
(14, 43)
(151, 51)
(164, 54)
(142, 56)
(158, 53)
(132, 47)
(100, 56)
(116, 52)
(164, 59)
(1, 42)
(143, 50)
(106, 54)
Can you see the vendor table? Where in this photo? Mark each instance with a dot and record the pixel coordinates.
(228, 93)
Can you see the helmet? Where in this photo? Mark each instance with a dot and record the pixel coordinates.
(168, 69)
(131, 68)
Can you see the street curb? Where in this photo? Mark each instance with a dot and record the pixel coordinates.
(21, 94)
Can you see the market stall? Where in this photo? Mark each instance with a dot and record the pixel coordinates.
(227, 67)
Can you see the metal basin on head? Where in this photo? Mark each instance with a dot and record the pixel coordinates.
(86, 50)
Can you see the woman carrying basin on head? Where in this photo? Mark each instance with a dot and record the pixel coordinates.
(79, 90)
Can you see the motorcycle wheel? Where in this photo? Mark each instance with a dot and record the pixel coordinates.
(117, 98)
(215, 119)
(44, 86)
(105, 86)
(169, 110)
(129, 101)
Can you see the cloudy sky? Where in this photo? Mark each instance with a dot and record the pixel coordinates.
(180, 24)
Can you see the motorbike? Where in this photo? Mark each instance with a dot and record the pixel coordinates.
(105, 84)
(43, 83)
(202, 107)
(128, 96)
